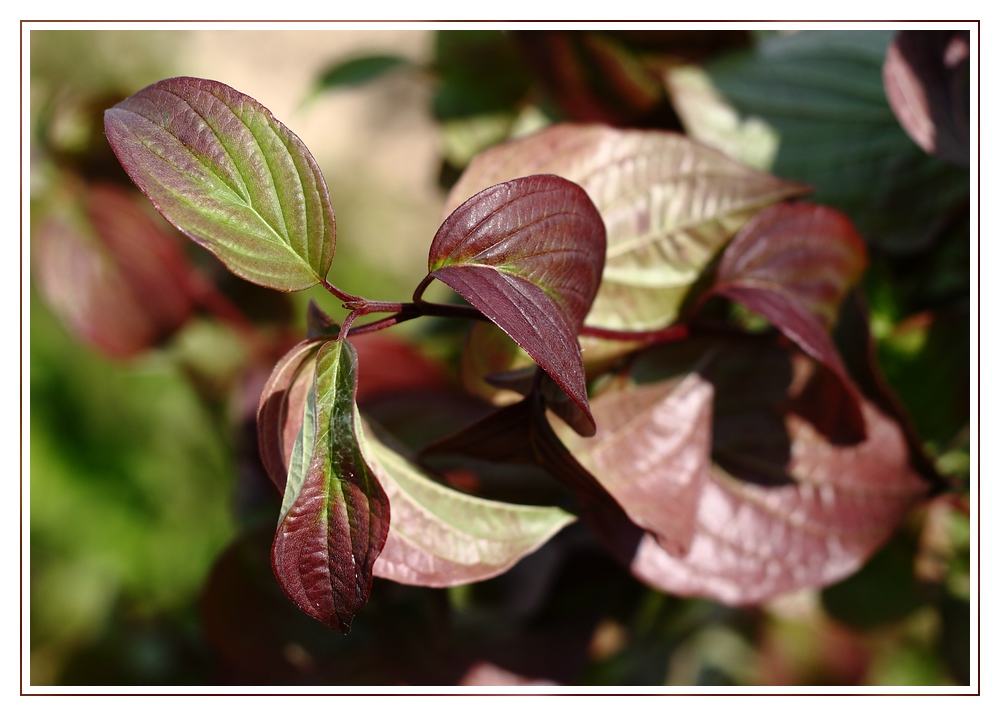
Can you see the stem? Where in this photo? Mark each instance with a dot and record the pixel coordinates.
(670, 333)
(342, 295)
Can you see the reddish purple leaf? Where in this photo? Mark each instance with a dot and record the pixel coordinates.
(786, 506)
(335, 515)
(926, 78)
(669, 206)
(528, 254)
(652, 452)
(219, 166)
(793, 264)
(111, 271)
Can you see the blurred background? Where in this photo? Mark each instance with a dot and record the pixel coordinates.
(150, 519)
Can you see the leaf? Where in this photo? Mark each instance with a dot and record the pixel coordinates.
(440, 537)
(110, 270)
(669, 205)
(224, 171)
(357, 71)
(926, 77)
(822, 92)
(786, 507)
(281, 406)
(652, 453)
(334, 515)
(528, 254)
(794, 264)
(594, 77)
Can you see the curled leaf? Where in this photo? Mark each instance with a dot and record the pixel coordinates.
(528, 254)
(223, 170)
(334, 515)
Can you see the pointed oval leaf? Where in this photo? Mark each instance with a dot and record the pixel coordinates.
(439, 537)
(224, 171)
(528, 254)
(334, 515)
(110, 269)
(669, 206)
(793, 264)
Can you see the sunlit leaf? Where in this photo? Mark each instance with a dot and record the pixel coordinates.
(334, 515)
(787, 506)
(440, 537)
(223, 170)
(528, 254)
(669, 206)
(652, 452)
(113, 273)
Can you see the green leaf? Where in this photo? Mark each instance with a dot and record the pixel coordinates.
(440, 537)
(822, 92)
(334, 515)
(668, 204)
(224, 171)
(359, 71)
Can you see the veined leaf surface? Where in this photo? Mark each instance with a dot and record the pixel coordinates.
(528, 254)
(440, 537)
(335, 515)
(223, 170)
(669, 206)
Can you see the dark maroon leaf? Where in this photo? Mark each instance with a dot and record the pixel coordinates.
(335, 515)
(793, 263)
(926, 78)
(528, 254)
(111, 270)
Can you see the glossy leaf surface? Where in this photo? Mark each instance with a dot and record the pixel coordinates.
(440, 537)
(669, 206)
(793, 264)
(528, 254)
(223, 170)
(112, 272)
(334, 515)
